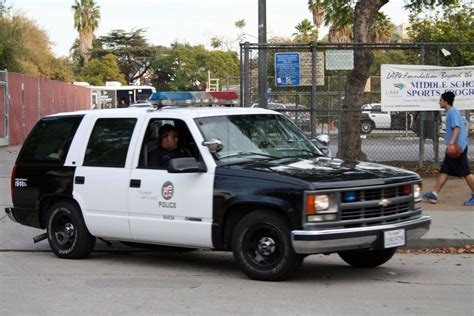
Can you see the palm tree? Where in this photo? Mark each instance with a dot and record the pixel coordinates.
(306, 32)
(382, 29)
(86, 21)
(317, 8)
(339, 16)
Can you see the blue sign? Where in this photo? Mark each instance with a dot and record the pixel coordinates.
(287, 69)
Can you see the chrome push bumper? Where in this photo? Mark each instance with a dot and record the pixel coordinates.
(333, 240)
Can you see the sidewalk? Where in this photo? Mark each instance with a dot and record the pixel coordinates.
(452, 222)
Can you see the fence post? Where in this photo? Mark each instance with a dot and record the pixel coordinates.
(246, 74)
(421, 122)
(262, 57)
(4, 115)
(314, 99)
(241, 76)
(437, 117)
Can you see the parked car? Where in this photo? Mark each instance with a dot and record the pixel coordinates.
(374, 118)
(252, 184)
(297, 113)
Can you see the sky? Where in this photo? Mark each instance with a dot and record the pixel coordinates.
(168, 21)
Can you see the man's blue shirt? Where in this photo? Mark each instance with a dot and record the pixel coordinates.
(453, 120)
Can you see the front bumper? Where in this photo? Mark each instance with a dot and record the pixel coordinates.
(333, 240)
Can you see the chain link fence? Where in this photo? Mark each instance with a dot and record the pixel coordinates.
(314, 103)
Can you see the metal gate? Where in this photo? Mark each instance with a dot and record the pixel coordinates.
(4, 106)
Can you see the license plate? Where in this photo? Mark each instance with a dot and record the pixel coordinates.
(394, 238)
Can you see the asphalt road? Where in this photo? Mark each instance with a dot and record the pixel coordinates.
(398, 149)
(209, 283)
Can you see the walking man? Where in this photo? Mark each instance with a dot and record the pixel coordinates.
(456, 133)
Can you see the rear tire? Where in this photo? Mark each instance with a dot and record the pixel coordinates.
(262, 247)
(367, 258)
(68, 235)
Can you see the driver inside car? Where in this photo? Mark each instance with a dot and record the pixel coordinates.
(167, 149)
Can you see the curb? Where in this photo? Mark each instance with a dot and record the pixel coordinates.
(438, 243)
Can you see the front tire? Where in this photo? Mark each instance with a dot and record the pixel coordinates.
(262, 247)
(366, 127)
(367, 258)
(68, 235)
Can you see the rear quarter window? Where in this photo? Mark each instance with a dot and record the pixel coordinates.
(50, 139)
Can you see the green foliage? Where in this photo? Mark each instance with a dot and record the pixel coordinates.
(86, 21)
(11, 44)
(383, 29)
(86, 15)
(25, 48)
(219, 42)
(306, 32)
(317, 8)
(388, 57)
(420, 5)
(76, 54)
(134, 54)
(185, 68)
(216, 42)
(453, 24)
(62, 70)
(100, 70)
(240, 23)
(3, 8)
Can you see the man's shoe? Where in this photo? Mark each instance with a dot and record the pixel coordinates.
(429, 197)
(470, 202)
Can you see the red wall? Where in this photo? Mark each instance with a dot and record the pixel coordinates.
(32, 98)
(2, 109)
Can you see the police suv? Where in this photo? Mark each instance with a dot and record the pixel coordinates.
(374, 118)
(253, 184)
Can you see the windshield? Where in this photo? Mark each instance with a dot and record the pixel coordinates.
(253, 137)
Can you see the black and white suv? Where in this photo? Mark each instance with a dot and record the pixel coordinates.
(374, 118)
(254, 184)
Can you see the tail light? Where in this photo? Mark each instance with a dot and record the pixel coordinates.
(12, 179)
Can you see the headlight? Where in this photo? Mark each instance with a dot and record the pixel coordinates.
(321, 207)
(321, 202)
(417, 192)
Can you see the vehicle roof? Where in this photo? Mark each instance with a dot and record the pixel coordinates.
(192, 112)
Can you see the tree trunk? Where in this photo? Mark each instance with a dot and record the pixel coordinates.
(349, 127)
(85, 45)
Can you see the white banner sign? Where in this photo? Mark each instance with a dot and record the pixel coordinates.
(419, 87)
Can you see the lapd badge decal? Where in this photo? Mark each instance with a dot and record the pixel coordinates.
(167, 190)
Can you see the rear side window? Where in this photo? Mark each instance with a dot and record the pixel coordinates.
(50, 139)
(109, 142)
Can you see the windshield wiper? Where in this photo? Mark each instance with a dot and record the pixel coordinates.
(248, 153)
(300, 149)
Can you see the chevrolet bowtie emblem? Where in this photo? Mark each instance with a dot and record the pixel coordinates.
(384, 202)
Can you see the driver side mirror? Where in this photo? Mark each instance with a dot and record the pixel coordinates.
(323, 139)
(214, 144)
(185, 165)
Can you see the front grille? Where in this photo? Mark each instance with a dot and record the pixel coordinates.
(374, 211)
(368, 211)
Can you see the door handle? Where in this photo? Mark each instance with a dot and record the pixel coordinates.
(135, 183)
(79, 180)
